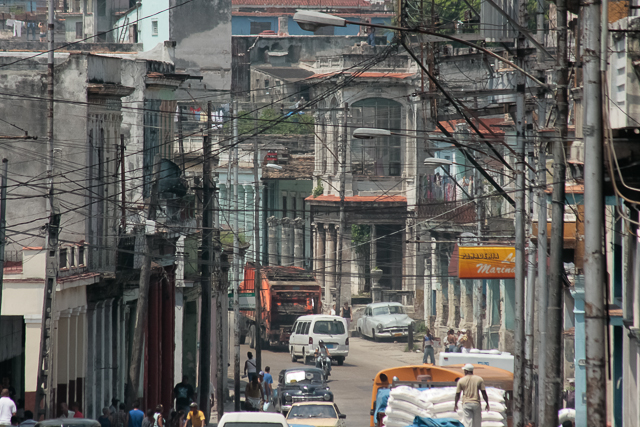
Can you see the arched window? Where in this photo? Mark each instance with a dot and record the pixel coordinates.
(378, 156)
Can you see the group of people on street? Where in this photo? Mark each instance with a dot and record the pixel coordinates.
(180, 417)
(259, 388)
(460, 342)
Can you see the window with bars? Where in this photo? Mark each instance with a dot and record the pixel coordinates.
(378, 156)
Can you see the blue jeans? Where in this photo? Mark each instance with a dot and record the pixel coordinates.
(251, 376)
(429, 354)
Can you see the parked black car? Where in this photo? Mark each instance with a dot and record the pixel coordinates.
(303, 384)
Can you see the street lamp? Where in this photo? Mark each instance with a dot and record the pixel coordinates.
(435, 161)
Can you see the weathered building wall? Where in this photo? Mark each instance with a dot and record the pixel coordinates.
(202, 32)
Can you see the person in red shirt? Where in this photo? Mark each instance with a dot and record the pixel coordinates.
(76, 409)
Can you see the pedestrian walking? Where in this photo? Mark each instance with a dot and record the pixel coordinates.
(76, 410)
(158, 419)
(466, 342)
(28, 419)
(427, 348)
(471, 386)
(104, 418)
(64, 412)
(135, 416)
(184, 394)
(346, 314)
(119, 419)
(451, 342)
(268, 383)
(250, 367)
(7, 408)
(149, 418)
(332, 312)
(195, 415)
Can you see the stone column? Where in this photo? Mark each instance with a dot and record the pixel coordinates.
(466, 308)
(319, 253)
(72, 365)
(374, 247)
(330, 264)
(376, 289)
(286, 256)
(477, 313)
(507, 318)
(442, 295)
(32, 324)
(298, 253)
(62, 353)
(454, 298)
(273, 222)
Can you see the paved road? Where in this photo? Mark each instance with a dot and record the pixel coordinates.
(350, 383)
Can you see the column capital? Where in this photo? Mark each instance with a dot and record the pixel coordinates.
(327, 227)
(65, 313)
(298, 223)
(272, 221)
(286, 221)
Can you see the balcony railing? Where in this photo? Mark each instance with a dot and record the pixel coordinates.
(460, 212)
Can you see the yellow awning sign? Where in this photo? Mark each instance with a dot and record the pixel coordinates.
(486, 262)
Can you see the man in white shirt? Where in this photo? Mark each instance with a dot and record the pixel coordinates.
(7, 408)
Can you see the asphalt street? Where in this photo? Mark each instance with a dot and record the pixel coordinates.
(350, 383)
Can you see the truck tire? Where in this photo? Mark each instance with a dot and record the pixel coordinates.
(294, 358)
(252, 336)
(340, 360)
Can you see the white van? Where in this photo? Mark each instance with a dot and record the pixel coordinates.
(309, 330)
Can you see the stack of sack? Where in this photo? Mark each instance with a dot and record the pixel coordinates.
(406, 403)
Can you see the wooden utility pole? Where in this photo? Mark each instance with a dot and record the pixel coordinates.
(142, 306)
(521, 267)
(3, 223)
(236, 271)
(343, 220)
(45, 359)
(553, 312)
(123, 189)
(206, 261)
(257, 284)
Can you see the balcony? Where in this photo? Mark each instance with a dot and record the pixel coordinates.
(457, 211)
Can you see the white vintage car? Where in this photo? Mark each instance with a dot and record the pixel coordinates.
(384, 320)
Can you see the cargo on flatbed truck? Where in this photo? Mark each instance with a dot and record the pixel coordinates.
(286, 294)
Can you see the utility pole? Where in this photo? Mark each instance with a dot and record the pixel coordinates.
(236, 273)
(593, 32)
(181, 138)
(257, 221)
(518, 377)
(529, 300)
(123, 189)
(45, 359)
(343, 221)
(542, 277)
(142, 306)
(3, 223)
(553, 368)
(206, 263)
(541, 196)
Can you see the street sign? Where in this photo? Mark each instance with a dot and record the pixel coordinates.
(486, 262)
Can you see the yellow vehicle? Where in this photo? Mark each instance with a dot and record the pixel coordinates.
(429, 376)
(316, 414)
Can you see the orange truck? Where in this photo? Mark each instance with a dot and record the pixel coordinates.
(286, 293)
